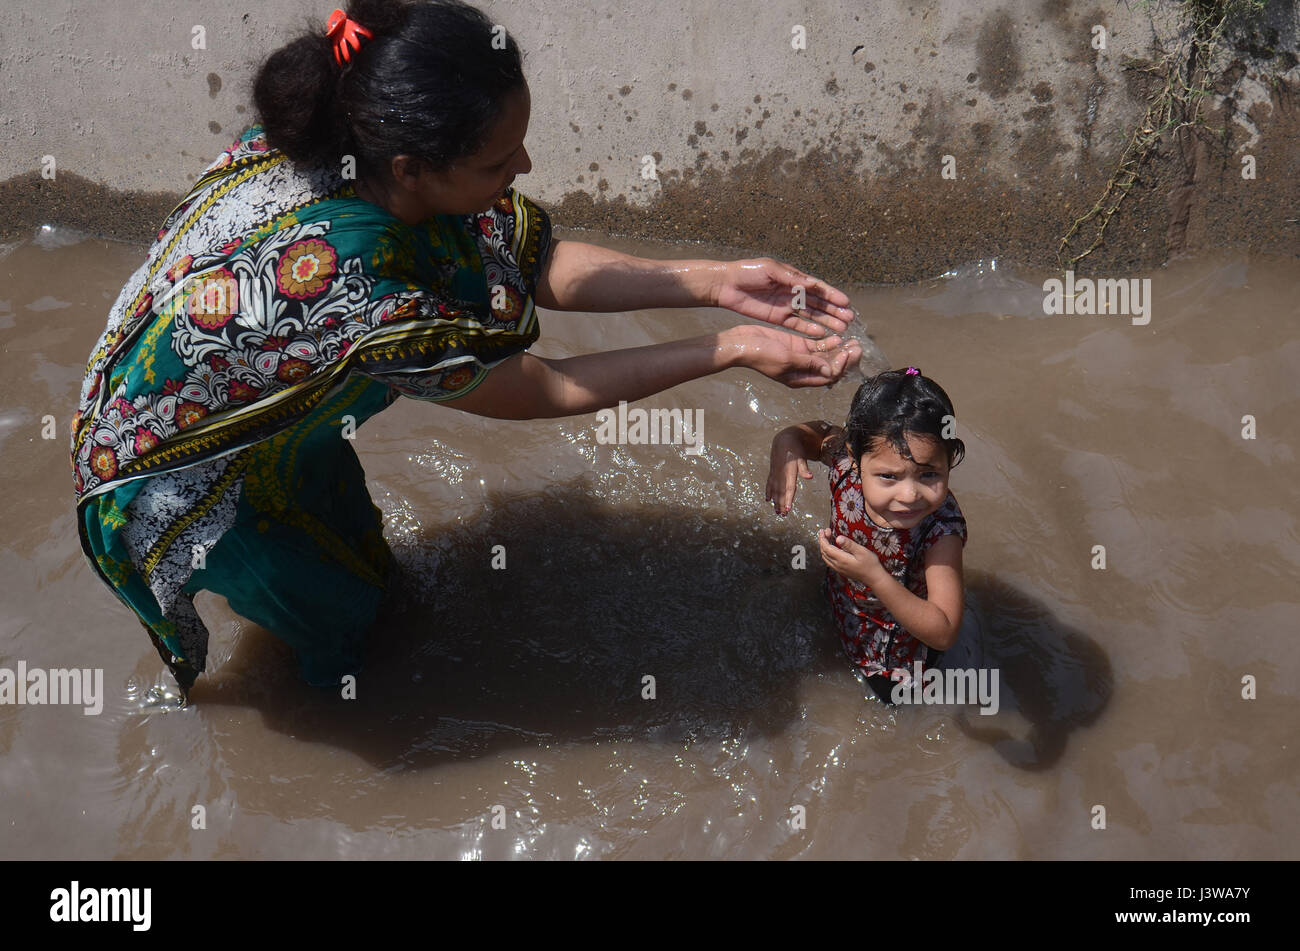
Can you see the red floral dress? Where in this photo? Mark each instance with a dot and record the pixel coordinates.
(875, 642)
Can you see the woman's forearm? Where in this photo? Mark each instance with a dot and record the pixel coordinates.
(596, 381)
(586, 277)
(531, 387)
(526, 386)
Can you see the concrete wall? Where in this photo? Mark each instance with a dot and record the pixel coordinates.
(756, 144)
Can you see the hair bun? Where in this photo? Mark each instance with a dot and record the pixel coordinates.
(294, 94)
(393, 78)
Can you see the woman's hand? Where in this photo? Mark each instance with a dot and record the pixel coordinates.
(793, 360)
(765, 290)
(846, 557)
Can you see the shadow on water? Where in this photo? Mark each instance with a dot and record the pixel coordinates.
(1053, 678)
(466, 659)
(554, 647)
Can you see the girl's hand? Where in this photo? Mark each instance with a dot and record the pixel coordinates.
(784, 470)
(846, 557)
(793, 360)
(764, 289)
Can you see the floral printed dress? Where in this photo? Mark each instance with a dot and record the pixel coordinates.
(275, 313)
(876, 643)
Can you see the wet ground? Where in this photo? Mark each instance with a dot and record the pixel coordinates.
(522, 688)
(859, 212)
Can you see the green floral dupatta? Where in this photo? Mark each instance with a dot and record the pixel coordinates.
(272, 293)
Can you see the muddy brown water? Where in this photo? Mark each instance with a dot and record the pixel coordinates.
(522, 688)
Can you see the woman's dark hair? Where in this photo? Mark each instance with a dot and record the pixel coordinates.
(894, 403)
(429, 83)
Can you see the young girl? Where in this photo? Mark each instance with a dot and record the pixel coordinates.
(893, 549)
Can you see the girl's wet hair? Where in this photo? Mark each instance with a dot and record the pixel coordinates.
(893, 403)
(428, 84)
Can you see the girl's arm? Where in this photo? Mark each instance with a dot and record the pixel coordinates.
(791, 449)
(934, 622)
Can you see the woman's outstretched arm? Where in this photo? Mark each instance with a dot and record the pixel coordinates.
(587, 277)
(531, 387)
(582, 276)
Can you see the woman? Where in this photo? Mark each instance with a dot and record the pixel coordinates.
(363, 243)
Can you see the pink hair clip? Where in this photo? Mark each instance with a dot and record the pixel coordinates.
(913, 371)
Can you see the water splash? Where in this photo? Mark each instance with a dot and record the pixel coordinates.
(50, 237)
(986, 286)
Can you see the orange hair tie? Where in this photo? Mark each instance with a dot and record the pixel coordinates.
(347, 36)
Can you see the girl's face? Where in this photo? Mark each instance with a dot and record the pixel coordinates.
(899, 493)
